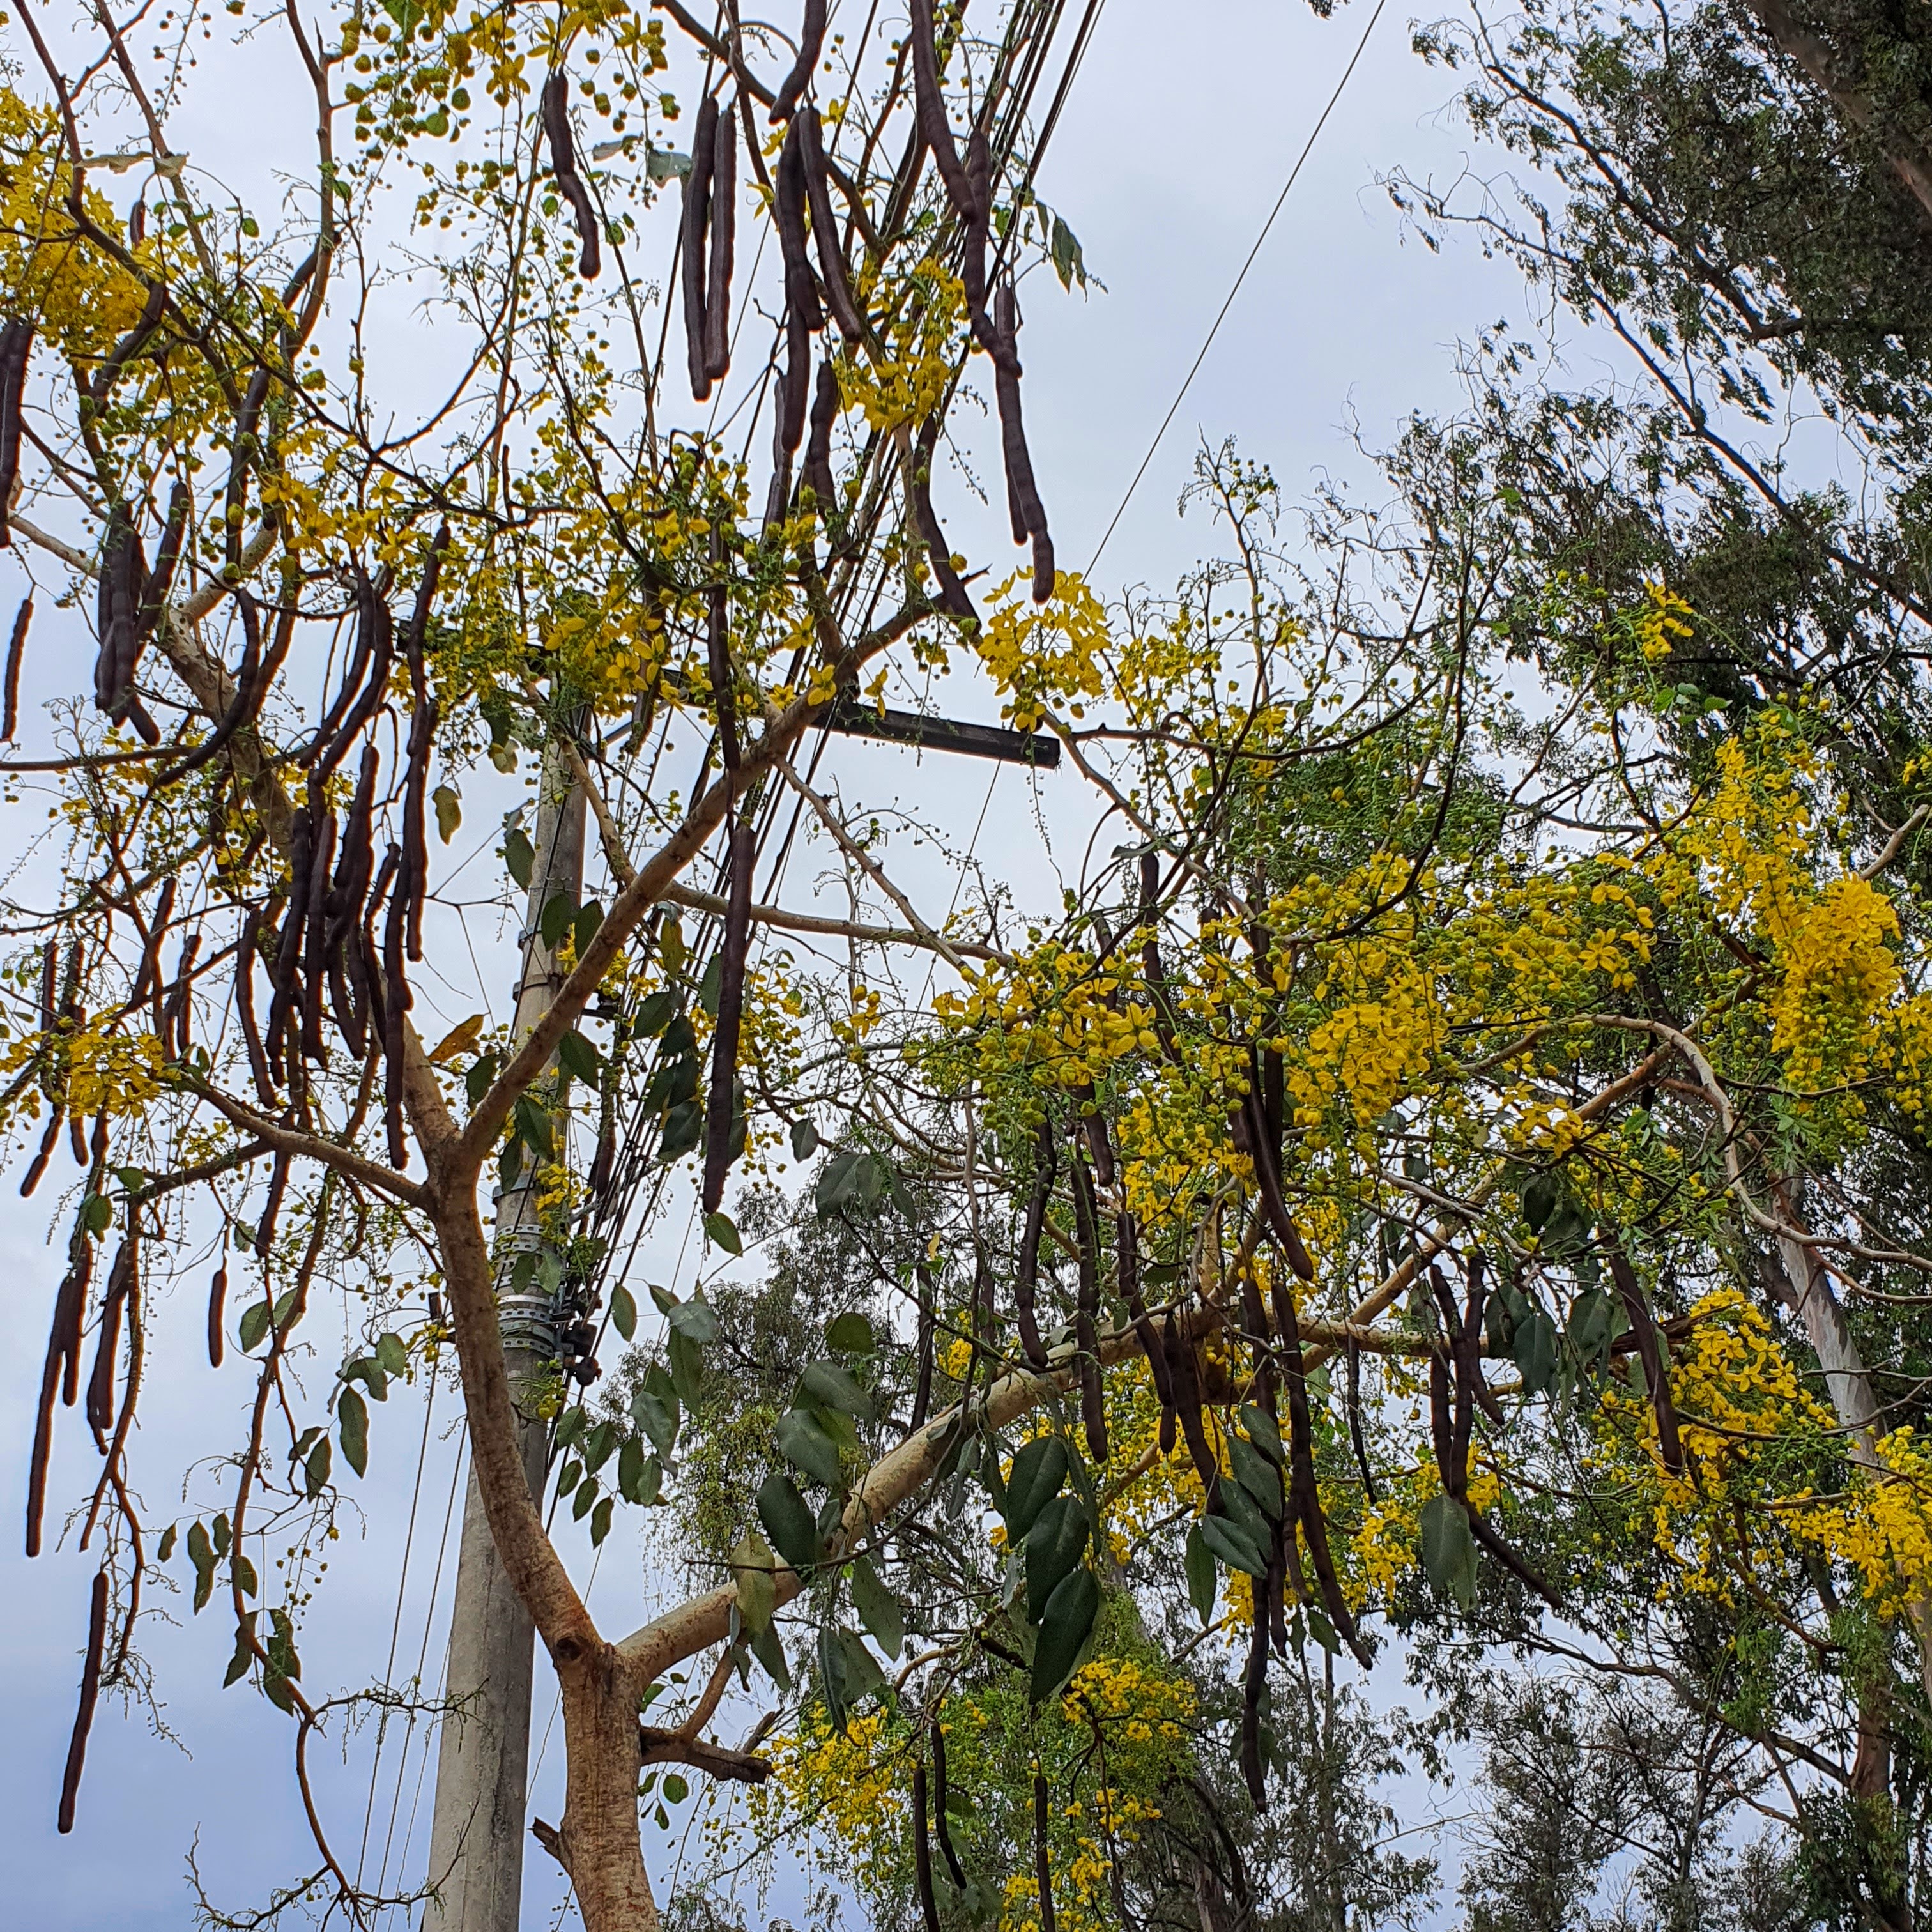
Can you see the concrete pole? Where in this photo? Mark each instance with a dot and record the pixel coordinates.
(482, 1773)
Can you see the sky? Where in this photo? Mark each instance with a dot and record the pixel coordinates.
(1174, 148)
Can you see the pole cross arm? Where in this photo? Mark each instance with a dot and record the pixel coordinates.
(855, 718)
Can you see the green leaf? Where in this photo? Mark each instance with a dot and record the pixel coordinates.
(841, 1182)
(711, 985)
(696, 1319)
(519, 855)
(879, 1610)
(254, 1325)
(201, 1554)
(244, 1650)
(676, 1790)
(850, 1334)
(832, 1677)
(585, 1500)
(1256, 1475)
(1201, 1583)
(1232, 1546)
(600, 1521)
(804, 1139)
(167, 1545)
(570, 1425)
(670, 945)
(687, 1365)
(788, 1521)
(753, 1569)
(393, 1356)
(315, 1470)
(1534, 1349)
(276, 1689)
(807, 1447)
(531, 1119)
(657, 1417)
(553, 922)
(132, 1178)
(831, 1386)
(768, 1648)
(1245, 1513)
(1054, 1545)
(1263, 1433)
(245, 1579)
(579, 1059)
(1539, 1201)
(683, 1128)
(367, 1370)
(718, 1228)
(218, 1534)
(623, 1312)
(598, 1444)
(448, 812)
(631, 1468)
(568, 1477)
(583, 927)
(862, 1674)
(1064, 1628)
(1038, 1470)
(1448, 1549)
(96, 1214)
(351, 1416)
(1067, 261)
(653, 1015)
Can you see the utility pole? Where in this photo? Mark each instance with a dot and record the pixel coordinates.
(482, 1770)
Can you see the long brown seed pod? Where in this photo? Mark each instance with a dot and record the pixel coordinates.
(16, 347)
(1254, 1681)
(271, 1209)
(381, 650)
(818, 467)
(121, 1280)
(59, 1375)
(1127, 1272)
(295, 916)
(49, 985)
(1249, 1129)
(243, 446)
(1357, 1437)
(692, 248)
(825, 228)
(1026, 1282)
(788, 210)
(939, 1788)
(717, 651)
(722, 1104)
(1086, 1225)
(344, 905)
(930, 105)
(315, 959)
(395, 1005)
(177, 1023)
(218, 1298)
(16, 650)
(251, 679)
(117, 611)
(563, 165)
(723, 228)
(939, 553)
(978, 241)
(1637, 1306)
(922, 1850)
(351, 686)
(245, 956)
(155, 591)
(147, 978)
(792, 393)
(1184, 1375)
(1026, 514)
(90, 1691)
(810, 42)
(1043, 1860)
(49, 1140)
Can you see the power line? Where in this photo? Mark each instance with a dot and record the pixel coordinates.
(1307, 148)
